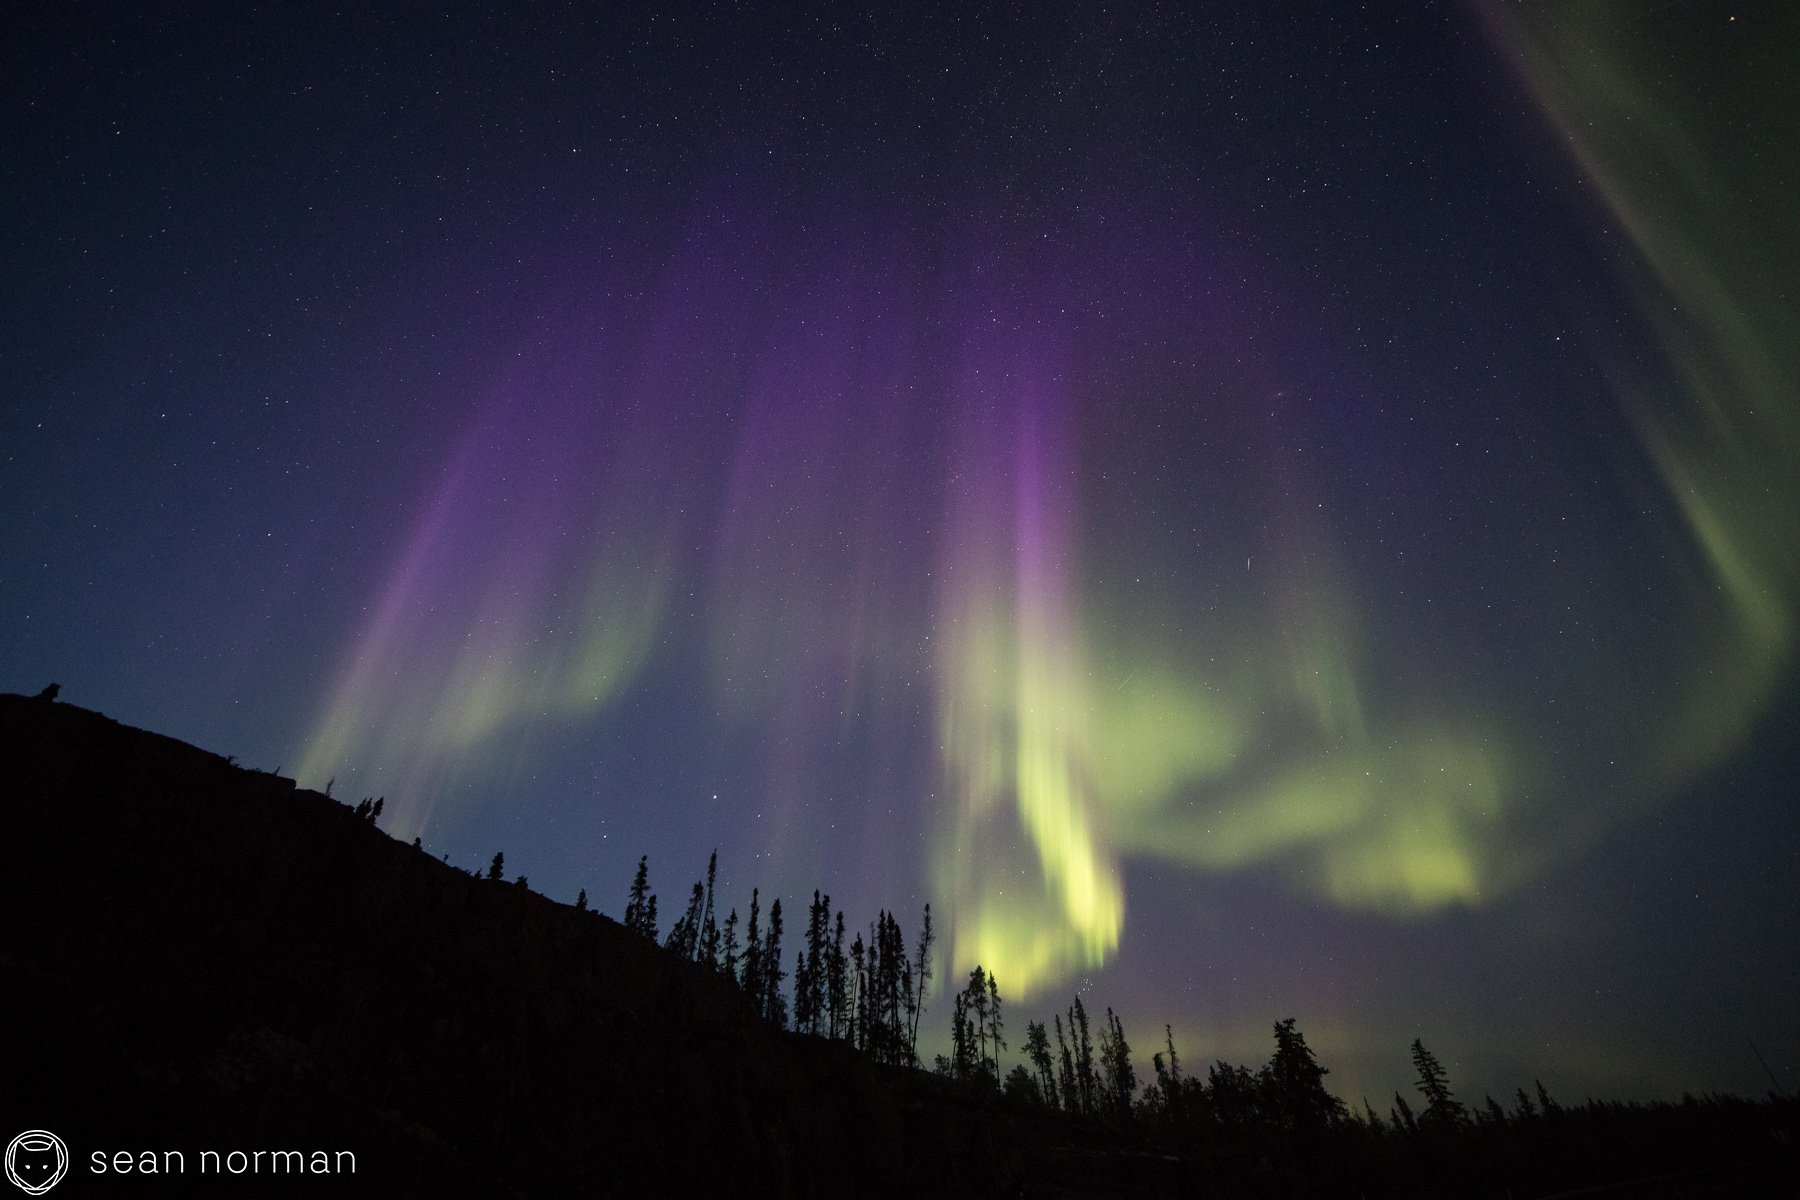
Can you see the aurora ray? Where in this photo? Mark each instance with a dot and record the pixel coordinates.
(1227, 504)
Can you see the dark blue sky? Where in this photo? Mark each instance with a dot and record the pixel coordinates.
(1250, 513)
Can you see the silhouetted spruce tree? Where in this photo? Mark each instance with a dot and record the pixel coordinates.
(497, 868)
(1546, 1105)
(640, 904)
(709, 928)
(837, 983)
(774, 1003)
(898, 994)
(684, 938)
(982, 1006)
(868, 997)
(962, 1038)
(810, 976)
(1086, 1081)
(820, 955)
(692, 919)
(1442, 1110)
(799, 969)
(1037, 1049)
(905, 1002)
(887, 993)
(1118, 1082)
(1402, 1116)
(1159, 1096)
(1294, 1082)
(872, 995)
(1168, 1081)
(375, 812)
(996, 1024)
(1067, 1089)
(803, 1012)
(581, 900)
(1165, 1097)
(728, 949)
(975, 1004)
(1523, 1108)
(752, 979)
(859, 1004)
(874, 1029)
(921, 980)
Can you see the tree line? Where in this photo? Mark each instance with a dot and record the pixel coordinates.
(872, 994)
(869, 992)
(1273, 1131)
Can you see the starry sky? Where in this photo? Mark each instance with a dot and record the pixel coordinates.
(1249, 510)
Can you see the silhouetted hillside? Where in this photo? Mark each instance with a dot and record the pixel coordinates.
(205, 956)
(199, 957)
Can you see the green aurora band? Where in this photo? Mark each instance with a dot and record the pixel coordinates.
(1403, 812)
(1079, 723)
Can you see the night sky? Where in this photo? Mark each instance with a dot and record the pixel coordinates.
(1250, 510)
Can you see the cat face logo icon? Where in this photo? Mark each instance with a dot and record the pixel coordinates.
(36, 1160)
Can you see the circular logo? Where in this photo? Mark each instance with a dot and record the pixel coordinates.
(36, 1160)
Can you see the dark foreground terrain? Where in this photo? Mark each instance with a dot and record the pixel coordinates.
(198, 957)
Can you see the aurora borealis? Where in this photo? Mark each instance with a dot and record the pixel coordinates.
(1249, 513)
